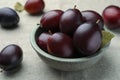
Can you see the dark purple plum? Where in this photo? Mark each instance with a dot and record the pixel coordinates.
(8, 18)
(111, 16)
(42, 40)
(11, 57)
(87, 38)
(60, 45)
(50, 20)
(70, 20)
(93, 16)
(34, 6)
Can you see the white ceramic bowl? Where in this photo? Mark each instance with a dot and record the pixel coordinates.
(65, 64)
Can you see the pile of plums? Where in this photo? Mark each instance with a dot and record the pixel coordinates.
(71, 33)
(8, 18)
(67, 34)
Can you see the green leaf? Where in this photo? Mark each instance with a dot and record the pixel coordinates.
(19, 7)
(107, 36)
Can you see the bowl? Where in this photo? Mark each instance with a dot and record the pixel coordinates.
(64, 64)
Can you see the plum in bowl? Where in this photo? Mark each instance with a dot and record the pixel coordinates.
(64, 64)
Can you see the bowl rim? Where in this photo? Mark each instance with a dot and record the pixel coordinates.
(60, 59)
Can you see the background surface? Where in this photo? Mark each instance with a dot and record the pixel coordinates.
(108, 68)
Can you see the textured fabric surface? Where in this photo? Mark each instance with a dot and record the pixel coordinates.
(33, 68)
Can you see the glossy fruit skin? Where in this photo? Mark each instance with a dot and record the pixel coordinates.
(11, 57)
(70, 20)
(34, 6)
(111, 15)
(42, 40)
(60, 45)
(87, 38)
(50, 20)
(93, 16)
(8, 17)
